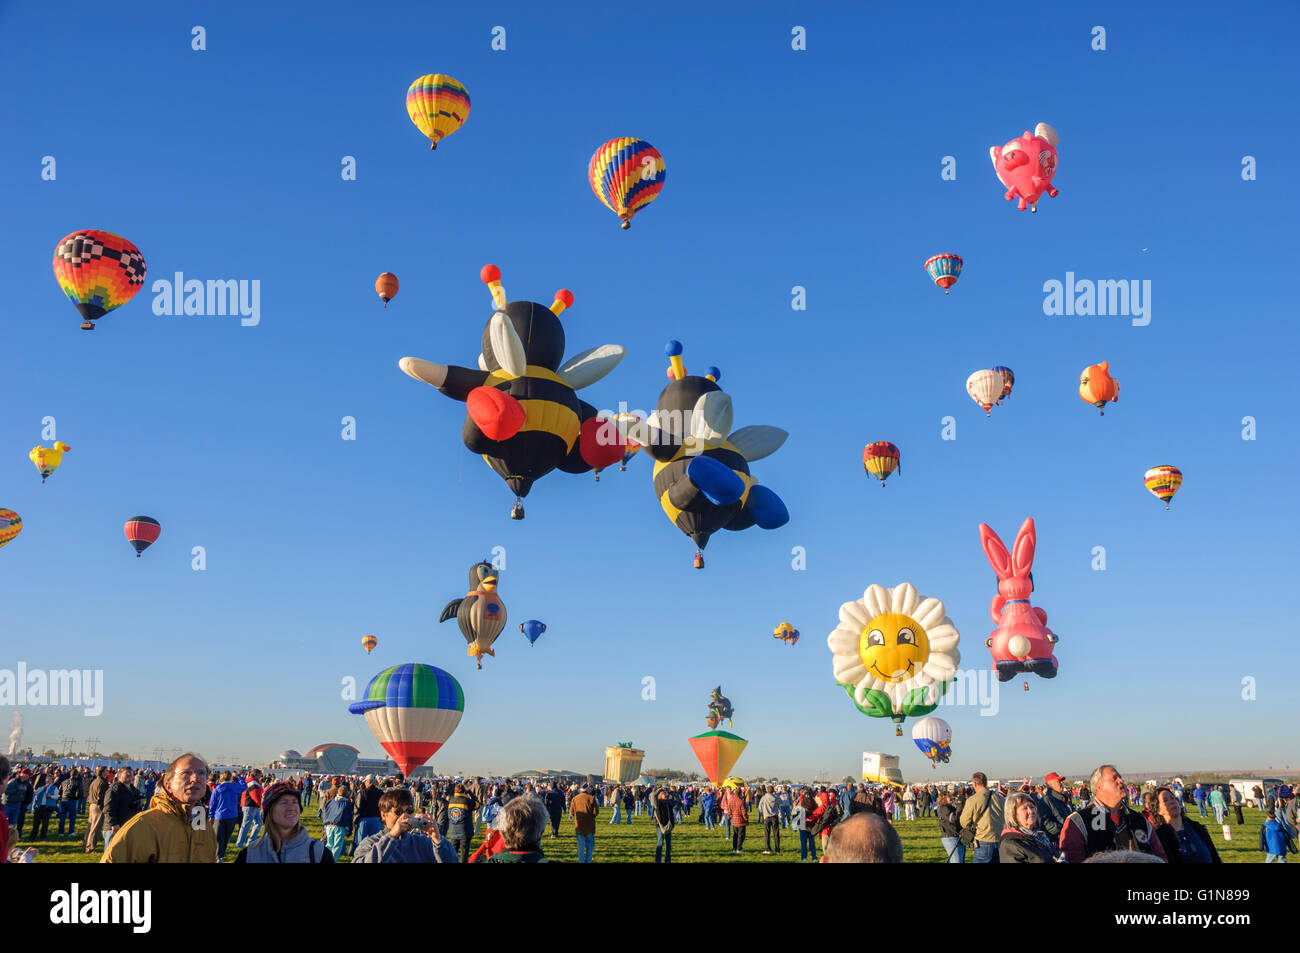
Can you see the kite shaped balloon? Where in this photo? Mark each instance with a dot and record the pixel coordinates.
(47, 459)
(718, 752)
(1096, 386)
(438, 105)
(701, 472)
(412, 710)
(1025, 166)
(894, 652)
(525, 417)
(1022, 642)
(934, 737)
(98, 271)
(627, 175)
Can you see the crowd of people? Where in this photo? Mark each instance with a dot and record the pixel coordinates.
(185, 813)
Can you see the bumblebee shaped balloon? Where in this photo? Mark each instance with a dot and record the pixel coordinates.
(701, 472)
(481, 615)
(525, 416)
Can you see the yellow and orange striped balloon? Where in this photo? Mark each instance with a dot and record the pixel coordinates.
(438, 105)
(1164, 482)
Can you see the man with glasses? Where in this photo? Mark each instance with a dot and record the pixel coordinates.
(176, 828)
(1107, 823)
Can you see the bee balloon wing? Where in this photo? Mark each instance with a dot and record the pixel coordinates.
(590, 366)
(758, 441)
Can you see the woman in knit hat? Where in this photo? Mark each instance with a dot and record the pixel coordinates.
(284, 840)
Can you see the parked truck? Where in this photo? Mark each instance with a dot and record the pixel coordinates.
(881, 768)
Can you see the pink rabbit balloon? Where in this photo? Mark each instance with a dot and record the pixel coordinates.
(1022, 642)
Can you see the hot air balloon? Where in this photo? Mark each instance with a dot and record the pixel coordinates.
(934, 737)
(481, 614)
(1164, 482)
(524, 414)
(985, 388)
(386, 287)
(532, 630)
(701, 474)
(1008, 381)
(1025, 166)
(944, 269)
(412, 709)
(47, 460)
(11, 524)
(98, 271)
(894, 652)
(880, 459)
(1096, 386)
(626, 175)
(1022, 642)
(438, 105)
(718, 752)
(142, 532)
(368, 642)
(786, 633)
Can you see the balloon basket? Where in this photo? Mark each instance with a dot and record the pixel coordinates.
(699, 561)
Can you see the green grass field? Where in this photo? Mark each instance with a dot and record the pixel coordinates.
(635, 843)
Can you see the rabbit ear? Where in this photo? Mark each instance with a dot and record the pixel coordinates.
(1023, 557)
(996, 551)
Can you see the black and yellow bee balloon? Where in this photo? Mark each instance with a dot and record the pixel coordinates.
(701, 471)
(525, 417)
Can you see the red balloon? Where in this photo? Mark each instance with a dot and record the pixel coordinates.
(600, 443)
(497, 414)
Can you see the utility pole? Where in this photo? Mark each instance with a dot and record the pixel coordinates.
(67, 745)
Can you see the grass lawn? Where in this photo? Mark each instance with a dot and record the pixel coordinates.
(635, 843)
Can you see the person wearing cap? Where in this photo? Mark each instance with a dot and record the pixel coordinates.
(1054, 807)
(399, 842)
(284, 840)
(584, 810)
(1107, 823)
(368, 818)
(461, 807)
(176, 829)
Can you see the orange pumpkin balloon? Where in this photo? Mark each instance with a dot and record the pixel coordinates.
(386, 287)
(1096, 386)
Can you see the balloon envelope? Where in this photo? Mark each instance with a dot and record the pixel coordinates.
(438, 105)
(944, 270)
(934, 737)
(880, 459)
(985, 388)
(142, 532)
(368, 642)
(718, 752)
(532, 629)
(412, 709)
(386, 287)
(1164, 482)
(11, 524)
(626, 174)
(98, 271)
(47, 459)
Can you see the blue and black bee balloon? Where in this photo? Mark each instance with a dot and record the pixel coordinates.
(525, 416)
(701, 471)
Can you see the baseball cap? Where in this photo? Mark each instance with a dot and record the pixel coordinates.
(1053, 777)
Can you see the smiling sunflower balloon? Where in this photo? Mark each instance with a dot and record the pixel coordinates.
(894, 652)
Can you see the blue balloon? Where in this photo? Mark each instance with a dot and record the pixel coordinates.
(532, 630)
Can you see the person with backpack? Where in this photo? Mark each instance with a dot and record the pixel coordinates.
(1275, 840)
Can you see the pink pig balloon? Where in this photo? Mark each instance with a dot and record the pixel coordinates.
(1026, 165)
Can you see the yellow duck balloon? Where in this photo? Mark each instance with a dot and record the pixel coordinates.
(47, 460)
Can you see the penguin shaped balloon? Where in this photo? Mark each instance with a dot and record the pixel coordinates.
(525, 417)
(481, 614)
(701, 471)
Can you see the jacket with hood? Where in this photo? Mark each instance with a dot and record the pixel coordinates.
(224, 805)
(302, 848)
(1053, 811)
(164, 834)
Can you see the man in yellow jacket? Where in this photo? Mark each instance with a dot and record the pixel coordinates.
(176, 828)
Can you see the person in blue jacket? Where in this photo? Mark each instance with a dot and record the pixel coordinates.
(398, 842)
(1275, 840)
(707, 805)
(223, 809)
(338, 817)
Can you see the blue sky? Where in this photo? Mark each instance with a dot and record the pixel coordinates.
(818, 168)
